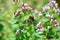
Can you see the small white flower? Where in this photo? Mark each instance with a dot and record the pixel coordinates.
(35, 11)
(40, 14)
(13, 2)
(38, 23)
(48, 7)
(29, 8)
(18, 31)
(25, 4)
(40, 31)
(47, 15)
(56, 5)
(52, 20)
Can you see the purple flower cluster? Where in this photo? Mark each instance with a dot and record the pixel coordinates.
(46, 8)
(57, 11)
(55, 22)
(25, 6)
(39, 28)
(51, 5)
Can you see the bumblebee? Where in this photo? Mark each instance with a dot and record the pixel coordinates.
(31, 20)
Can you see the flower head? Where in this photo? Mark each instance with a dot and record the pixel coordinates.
(52, 2)
(25, 6)
(55, 22)
(18, 31)
(46, 8)
(48, 15)
(39, 25)
(57, 10)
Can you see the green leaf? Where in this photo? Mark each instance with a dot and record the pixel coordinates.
(1, 27)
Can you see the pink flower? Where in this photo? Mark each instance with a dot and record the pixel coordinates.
(39, 25)
(40, 28)
(55, 22)
(25, 6)
(57, 10)
(51, 5)
(52, 2)
(46, 8)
